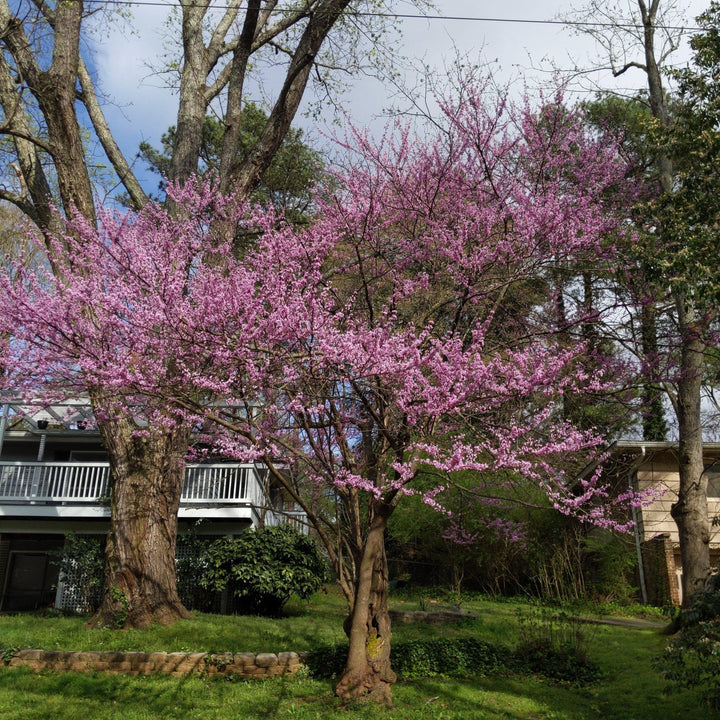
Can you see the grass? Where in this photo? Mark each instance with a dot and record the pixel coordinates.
(630, 689)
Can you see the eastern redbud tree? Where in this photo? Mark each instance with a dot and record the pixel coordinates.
(424, 344)
(405, 336)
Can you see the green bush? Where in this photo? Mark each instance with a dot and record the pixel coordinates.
(692, 658)
(611, 567)
(326, 661)
(263, 568)
(460, 657)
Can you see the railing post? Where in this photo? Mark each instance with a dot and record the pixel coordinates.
(85, 482)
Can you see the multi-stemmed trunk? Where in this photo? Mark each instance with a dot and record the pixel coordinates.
(367, 673)
(147, 473)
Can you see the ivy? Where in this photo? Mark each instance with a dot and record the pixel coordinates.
(464, 657)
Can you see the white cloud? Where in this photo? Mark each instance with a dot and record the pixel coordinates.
(145, 107)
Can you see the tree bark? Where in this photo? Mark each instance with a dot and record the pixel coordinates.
(690, 512)
(654, 425)
(54, 90)
(147, 473)
(236, 82)
(367, 672)
(245, 175)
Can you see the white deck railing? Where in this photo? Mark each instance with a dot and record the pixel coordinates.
(65, 482)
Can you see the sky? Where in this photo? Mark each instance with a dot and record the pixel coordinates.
(491, 32)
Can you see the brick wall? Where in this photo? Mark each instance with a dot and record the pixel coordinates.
(660, 571)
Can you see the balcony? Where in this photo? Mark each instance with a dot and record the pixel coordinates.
(79, 490)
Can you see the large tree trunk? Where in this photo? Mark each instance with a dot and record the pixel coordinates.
(690, 512)
(55, 91)
(367, 671)
(147, 477)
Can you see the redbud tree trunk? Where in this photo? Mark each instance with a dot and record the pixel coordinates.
(367, 672)
(147, 474)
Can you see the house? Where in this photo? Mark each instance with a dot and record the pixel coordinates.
(54, 480)
(655, 465)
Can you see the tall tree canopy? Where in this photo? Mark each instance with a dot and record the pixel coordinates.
(50, 106)
(669, 261)
(369, 356)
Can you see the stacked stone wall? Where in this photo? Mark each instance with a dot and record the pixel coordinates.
(243, 665)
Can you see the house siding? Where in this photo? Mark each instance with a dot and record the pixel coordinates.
(656, 517)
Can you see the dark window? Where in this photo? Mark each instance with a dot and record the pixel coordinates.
(713, 490)
(31, 581)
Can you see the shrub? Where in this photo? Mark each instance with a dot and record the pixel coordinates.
(263, 568)
(457, 658)
(327, 661)
(692, 658)
(612, 566)
(460, 657)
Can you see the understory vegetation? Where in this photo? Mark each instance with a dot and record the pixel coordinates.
(255, 573)
(692, 658)
(505, 659)
(556, 559)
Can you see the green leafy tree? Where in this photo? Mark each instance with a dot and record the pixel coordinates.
(683, 255)
(629, 121)
(288, 183)
(676, 242)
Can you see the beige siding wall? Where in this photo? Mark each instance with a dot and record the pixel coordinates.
(656, 518)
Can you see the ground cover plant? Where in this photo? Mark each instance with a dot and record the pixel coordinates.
(629, 688)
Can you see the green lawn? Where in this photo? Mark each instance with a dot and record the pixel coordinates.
(630, 688)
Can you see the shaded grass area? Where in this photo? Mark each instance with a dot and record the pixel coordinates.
(24, 696)
(629, 689)
(304, 626)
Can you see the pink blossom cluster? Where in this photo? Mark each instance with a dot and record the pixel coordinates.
(403, 332)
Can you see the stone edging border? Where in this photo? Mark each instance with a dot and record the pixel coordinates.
(177, 664)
